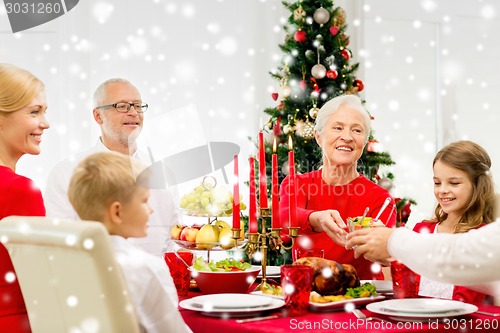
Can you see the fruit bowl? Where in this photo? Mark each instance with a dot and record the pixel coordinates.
(224, 282)
(206, 246)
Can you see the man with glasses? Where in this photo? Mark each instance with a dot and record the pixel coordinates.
(119, 112)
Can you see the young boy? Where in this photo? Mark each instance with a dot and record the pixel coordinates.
(104, 188)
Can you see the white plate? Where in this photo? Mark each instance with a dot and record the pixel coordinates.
(341, 304)
(271, 271)
(229, 301)
(258, 292)
(383, 308)
(423, 305)
(237, 312)
(383, 286)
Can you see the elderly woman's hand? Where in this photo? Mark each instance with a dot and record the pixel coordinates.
(330, 222)
(371, 243)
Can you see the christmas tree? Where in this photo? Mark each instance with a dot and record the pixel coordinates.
(315, 68)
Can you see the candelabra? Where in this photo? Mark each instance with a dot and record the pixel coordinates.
(258, 241)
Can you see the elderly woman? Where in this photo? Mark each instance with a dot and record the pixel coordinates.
(22, 122)
(328, 196)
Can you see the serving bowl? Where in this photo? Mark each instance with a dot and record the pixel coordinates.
(236, 282)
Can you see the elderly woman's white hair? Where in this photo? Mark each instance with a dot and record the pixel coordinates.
(334, 105)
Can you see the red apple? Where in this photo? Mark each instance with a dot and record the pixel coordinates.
(175, 231)
(188, 234)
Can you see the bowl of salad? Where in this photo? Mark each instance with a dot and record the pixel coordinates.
(225, 276)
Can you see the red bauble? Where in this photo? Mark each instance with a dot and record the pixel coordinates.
(300, 36)
(274, 96)
(277, 127)
(334, 30)
(345, 54)
(373, 146)
(332, 74)
(359, 84)
(303, 85)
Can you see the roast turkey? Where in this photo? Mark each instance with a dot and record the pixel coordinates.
(330, 277)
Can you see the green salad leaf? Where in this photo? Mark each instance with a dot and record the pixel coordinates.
(365, 290)
(220, 266)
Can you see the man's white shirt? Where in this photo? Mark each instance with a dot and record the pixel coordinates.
(164, 216)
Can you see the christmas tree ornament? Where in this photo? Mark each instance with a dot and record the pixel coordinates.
(345, 54)
(373, 146)
(341, 17)
(346, 40)
(334, 30)
(284, 168)
(315, 86)
(300, 36)
(386, 183)
(332, 74)
(299, 13)
(359, 84)
(287, 129)
(318, 71)
(313, 112)
(305, 129)
(274, 96)
(285, 91)
(303, 84)
(309, 54)
(330, 62)
(321, 15)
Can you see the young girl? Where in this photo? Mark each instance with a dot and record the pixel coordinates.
(464, 189)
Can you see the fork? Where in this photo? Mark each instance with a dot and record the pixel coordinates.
(361, 315)
(493, 314)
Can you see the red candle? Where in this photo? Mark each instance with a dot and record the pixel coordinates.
(252, 216)
(236, 195)
(262, 173)
(275, 189)
(291, 186)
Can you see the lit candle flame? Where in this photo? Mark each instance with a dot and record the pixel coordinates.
(274, 146)
(290, 143)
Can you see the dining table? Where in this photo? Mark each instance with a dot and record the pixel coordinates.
(338, 320)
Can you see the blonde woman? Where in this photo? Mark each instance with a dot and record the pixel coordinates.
(22, 122)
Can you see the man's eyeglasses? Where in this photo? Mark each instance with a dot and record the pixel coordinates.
(124, 107)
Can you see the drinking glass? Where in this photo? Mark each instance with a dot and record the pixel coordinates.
(405, 283)
(296, 283)
(178, 263)
(298, 253)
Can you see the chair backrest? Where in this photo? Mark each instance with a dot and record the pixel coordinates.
(68, 275)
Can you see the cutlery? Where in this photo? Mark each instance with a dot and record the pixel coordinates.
(493, 314)
(220, 307)
(384, 206)
(351, 225)
(242, 321)
(361, 315)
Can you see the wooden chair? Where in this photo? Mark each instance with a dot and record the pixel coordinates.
(68, 275)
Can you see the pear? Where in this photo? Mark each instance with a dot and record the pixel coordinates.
(222, 224)
(207, 237)
(226, 240)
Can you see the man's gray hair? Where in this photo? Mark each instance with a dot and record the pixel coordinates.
(100, 92)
